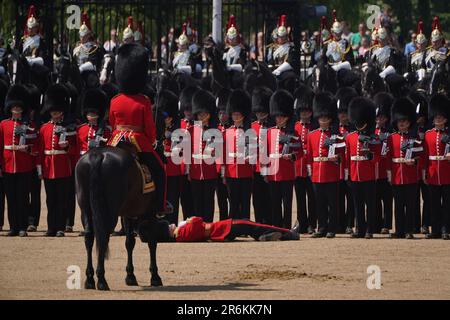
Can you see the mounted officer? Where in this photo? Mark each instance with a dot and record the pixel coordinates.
(32, 45)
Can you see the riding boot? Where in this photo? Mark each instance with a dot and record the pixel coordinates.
(156, 167)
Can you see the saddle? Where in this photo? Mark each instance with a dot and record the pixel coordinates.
(148, 185)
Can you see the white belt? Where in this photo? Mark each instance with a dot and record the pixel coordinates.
(322, 159)
(358, 158)
(437, 158)
(13, 148)
(275, 156)
(54, 152)
(400, 160)
(235, 155)
(201, 156)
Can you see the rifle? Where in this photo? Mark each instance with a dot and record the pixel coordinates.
(286, 141)
(334, 142)
(65, 131)
(367, 141)
(21, 131)
(409, 146)
(446, 140)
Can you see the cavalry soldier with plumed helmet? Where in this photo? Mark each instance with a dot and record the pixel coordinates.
(283, 56)
(235, 55)
(416, 60)
(438, 52)
(33, 46)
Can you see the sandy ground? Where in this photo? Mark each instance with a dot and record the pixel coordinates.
(36, 268)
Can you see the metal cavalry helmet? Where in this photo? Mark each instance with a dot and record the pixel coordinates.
(421, 37)
(128, 33)
(337, 27)
(183, 39)
(85, 28)
(232, 30)
(32, 21)
(437, 34)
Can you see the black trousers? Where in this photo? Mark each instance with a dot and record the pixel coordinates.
(156, 166)
(35, 200)
(173, 196)
(222, 199)
(261, 200)
(17, 189)
(346, 213)
(423, 212)
(255, 230)
(71, 203)
(327, 205)
(239, 193)
(364, 199)
(186, 199)
(281, 194)
(306, 205)
(57, 191)
(405, 199)
(203, 196)
(2, 203)
(384, 205)
(440, 208)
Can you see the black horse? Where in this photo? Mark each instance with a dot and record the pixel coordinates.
(109, 185)
(440, 78)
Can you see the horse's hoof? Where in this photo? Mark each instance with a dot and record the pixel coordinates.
(131, 281)
(102, 285)
(156, 282)
(89, 284)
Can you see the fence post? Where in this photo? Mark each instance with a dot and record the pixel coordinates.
(217, 21)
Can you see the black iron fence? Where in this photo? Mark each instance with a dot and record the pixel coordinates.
(157, 17)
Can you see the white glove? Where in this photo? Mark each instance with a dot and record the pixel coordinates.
(87, 66)
(185, 69)
(235, 67)
(342, 66)
(389, 70)
(284, 67)
(38, 61)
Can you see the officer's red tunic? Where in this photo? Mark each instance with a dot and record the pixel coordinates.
(281, 169)
(360, 167)
(14, 161)
(322, 169)
(436, 166)
(86, 133)
(135, 111)
(54, 160)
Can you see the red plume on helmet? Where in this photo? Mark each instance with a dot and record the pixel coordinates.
(231, 22)
(420, 26)
(334, 14)
(85, 20)
(31, 17)
(32, 12)
(323, 23)
(130, 22)
(437, 24)
(184, 28)
(232, 25)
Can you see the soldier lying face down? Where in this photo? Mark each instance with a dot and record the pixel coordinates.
(195, 229)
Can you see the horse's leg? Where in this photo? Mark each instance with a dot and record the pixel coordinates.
(102, 254)
(155, 280)
(130, 242)
(89, 243)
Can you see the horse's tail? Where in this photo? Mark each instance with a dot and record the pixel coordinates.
(98, 204)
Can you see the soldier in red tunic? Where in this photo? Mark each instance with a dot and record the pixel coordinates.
(196, 230)
(403, 167)
(131, 118)
(306, 211)
(325, 152)
(346, 214)
(437, 167)
(185, 106)
(95, 132)
(383, 101)
(261, 192)
(54, 159)
(363, 151)
(238, 168)
(224, 124)
(284, 148)
(168, 106)
(203, 167)
(3, 92)
(17, 139)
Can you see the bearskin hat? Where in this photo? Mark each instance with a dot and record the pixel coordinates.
(95, 101)
(34, 95)
(421, 103)
(110, 89)
(304, 97)
(383, 102)
(362, 112)
(222, 99)
(3, 91)
(403, 109)
(439, 106)
(186, 98)
(19, 96)
(239, 101)
(56, 99)
(324, 105)
(131, 68)
(282, 104)
(397, 85)
(344, 96)
(168, 103)
(261, 100)
(203, 101)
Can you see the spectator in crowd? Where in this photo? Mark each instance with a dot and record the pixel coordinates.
(365, 46)
(346, 34)
(112, 43)
(356, 39)
(411, 47)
